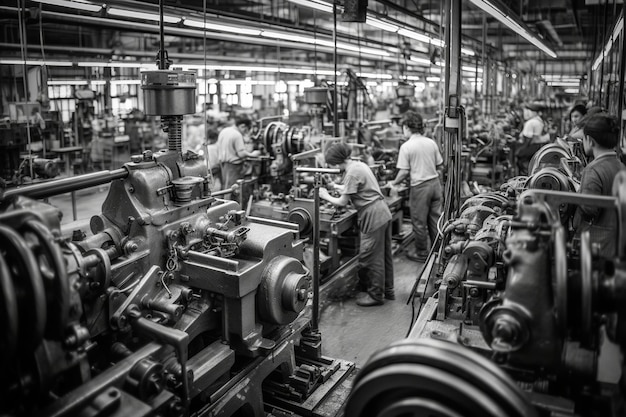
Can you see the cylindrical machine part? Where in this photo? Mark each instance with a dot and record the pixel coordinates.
(66, 185)
(184, 186)
(455, 271)
(169, 92)
(173, 125)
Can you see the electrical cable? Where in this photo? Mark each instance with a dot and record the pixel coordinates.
(315, 47)
(22, 29)
(204, 80)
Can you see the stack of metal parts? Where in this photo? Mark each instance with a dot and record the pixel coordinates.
(176, 303)
(512, 283)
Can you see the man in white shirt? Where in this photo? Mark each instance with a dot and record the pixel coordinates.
(532, 137)
(419, 158)
(231, 151)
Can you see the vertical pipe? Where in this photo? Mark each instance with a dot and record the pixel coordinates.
(162, 64)
(620, 96)
(335, 95)
(454, 117)
(484, 56)
(316, 253)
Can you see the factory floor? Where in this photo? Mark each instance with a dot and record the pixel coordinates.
(349, 332)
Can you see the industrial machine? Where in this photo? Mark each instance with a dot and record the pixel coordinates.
(510, 282)
(175, 303)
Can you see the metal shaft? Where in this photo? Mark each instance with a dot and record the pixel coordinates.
(65, 185)
(316, 254)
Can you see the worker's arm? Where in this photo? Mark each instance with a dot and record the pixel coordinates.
(341, 201)
(402, 175)
(240, 148)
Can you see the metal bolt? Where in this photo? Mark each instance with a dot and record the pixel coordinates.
(131, 246)
(302, 294)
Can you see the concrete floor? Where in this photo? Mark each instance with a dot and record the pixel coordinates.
(354, 333)
(349, 332)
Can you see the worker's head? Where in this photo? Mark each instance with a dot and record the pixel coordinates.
(337, 154)
(531, 110)
(413, 122)
(577, 113)
(243, 123)
(601, 131)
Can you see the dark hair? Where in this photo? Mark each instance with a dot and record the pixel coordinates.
(337, 154)
(580, 108)
(243, 120)
(413, 121)
(603, 128)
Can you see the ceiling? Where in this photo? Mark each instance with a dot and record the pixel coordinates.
(573, 28)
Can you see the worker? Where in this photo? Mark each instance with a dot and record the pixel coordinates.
(576, 134)
(420, 160)
(533, 136)
(601, 134)
(359, 186)
(232, 152)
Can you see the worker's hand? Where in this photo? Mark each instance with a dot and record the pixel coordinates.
(393, 189)
(324, 193)
(255, 153)
(338, 187)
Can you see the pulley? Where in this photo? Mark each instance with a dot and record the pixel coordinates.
(429, 377)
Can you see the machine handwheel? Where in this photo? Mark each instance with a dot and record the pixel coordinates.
(560, 270)
(9, 326)
(52, 267)
(31, 299)
(460, 381)
(619, 191)
(586, 276)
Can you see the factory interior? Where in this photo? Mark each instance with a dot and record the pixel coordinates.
(312, 208)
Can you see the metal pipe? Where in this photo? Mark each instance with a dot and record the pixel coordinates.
(316, 253)
(48, 189)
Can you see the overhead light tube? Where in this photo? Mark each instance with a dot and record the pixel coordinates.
(513, 24)
(619, 25)
(77, 4)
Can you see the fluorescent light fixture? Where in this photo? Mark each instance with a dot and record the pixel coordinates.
(113, 11)
(33, 62)
(362, 49)
(287, 37)
(76, 4)
(373, 75)
(115, 64)
(470, 69)
(312, 4)
(340, 45)
(221, 28)
(467, 51)
(420, 61)
(414, 35)
(125, 82)
(97, 82)
(619, 25)
(67, 82)
(433, 79)
(377, 23)
(563, 83)
(285, 70)
(571, 90)
(508, 21)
